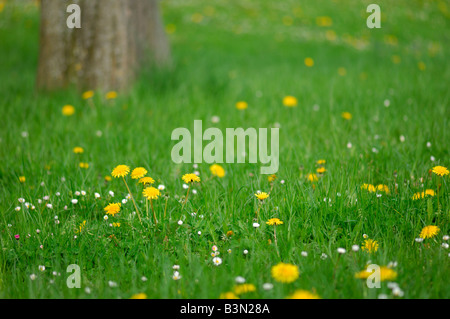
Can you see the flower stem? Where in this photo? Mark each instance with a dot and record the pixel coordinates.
(154, 215)
(129, 192)
(187, 194)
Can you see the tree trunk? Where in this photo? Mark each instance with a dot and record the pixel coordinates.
(115, 39)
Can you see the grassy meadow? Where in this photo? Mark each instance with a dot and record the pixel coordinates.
(372, 103)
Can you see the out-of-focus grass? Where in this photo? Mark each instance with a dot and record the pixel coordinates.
(224, 52)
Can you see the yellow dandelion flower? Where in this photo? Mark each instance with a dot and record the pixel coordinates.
(419, 195)
(290, 101)
(116, 224)
(139, 296)
(244, 288)
(369, 187)
(429, 192)
(342, 71)
(303, 294)
(321, 170)
(370, 246)
(228, 295)
(421, 65)
(324, 21)
(68, 110)
(440, 170)
(190, 178)
(385, 274)
(217, 170)
(113, 208)
(396, 59)
(285, 273)
(241, 105)
(22, 179)
(262, 195)
(309, 62)
(312, 177)
(81, 227)
(321, 162)
(120, 171)
(87, 95)
(383, 188)
(78, 150)
(346, 115)
(138, 172)
(84, 165)
(271, 178)
(151, 193)
(274, 222)
(229, 233)
(111, 95)
(108, 178)
(429, 232)
(146, 180)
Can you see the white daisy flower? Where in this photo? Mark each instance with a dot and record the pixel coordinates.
(217, 261)
(176, 276)
(74, 201)
(341, 250)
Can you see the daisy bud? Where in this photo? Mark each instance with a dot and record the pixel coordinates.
(239, 279)
(267, 286)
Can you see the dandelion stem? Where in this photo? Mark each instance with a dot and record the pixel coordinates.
(275, 237)
(187, 194)
(165, 207)
(154, 215)
(129, 192)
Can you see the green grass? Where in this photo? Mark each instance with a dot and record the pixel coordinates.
(240, 50)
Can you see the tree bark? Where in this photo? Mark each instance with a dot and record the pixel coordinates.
(116, 38)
